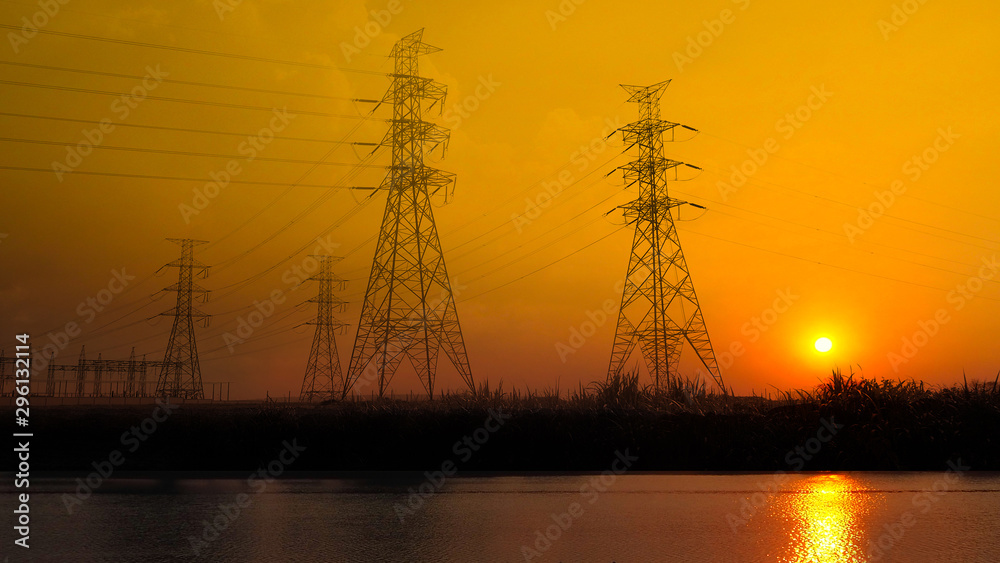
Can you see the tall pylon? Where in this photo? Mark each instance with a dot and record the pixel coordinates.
(660, 310)
(324, 378)
(180, 375)
(409, 308)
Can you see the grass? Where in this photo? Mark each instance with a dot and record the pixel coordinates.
(684, 425)
(623, 392)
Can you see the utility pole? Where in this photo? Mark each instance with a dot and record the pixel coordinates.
(180, 375)
(660, 310)
(324, 378)
(409, 308)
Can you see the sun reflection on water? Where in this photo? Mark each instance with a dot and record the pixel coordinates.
(826, 517)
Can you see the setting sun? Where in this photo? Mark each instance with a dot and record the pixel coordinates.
(823, 344)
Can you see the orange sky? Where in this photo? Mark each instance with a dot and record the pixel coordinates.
(528, 92)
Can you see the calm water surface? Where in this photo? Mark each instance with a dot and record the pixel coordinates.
(797, 518)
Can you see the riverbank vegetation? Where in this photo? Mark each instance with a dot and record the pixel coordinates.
(880, 425)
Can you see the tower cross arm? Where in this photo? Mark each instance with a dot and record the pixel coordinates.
(195, 288)
(637, 130)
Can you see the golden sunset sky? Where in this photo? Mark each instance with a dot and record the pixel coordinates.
(866, 133)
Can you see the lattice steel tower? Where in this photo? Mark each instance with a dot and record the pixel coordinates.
(181, 372)
(409, 308)
(324, 378)
(660, 310)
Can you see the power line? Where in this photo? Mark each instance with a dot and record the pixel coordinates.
(288, 190)
(273, 328)
(803, 164)
(552, 205)
(838, 235)
(812, 261)
(315, 205)
(508, 222)
(254, 351)
(803, 193)
(539, 237)
(861, 272)
(309, 209)
(554, 262)
(243, 283)
(194, 51)
(497, 207)
(186, 179)
(743, 218)
(854, 247)
(175, 100)
(184, 130)
(189, 153)
(270, 40)
(188, 82)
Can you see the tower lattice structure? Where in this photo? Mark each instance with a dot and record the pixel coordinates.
(180, 375)
(409, 307)
(660, 310)
(324, 377)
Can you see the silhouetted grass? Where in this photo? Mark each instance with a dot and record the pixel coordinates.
(887, 425)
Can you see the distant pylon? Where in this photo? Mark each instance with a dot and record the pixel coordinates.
(81, 372)
(130, 376)
(180, 375)
(324, 378)
(409, 308)
(660, 310)
(98, 376)
(3, 374)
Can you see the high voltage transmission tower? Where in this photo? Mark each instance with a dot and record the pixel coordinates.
(409, 308)
(660, 311)
(180, 375)
(324, 378)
